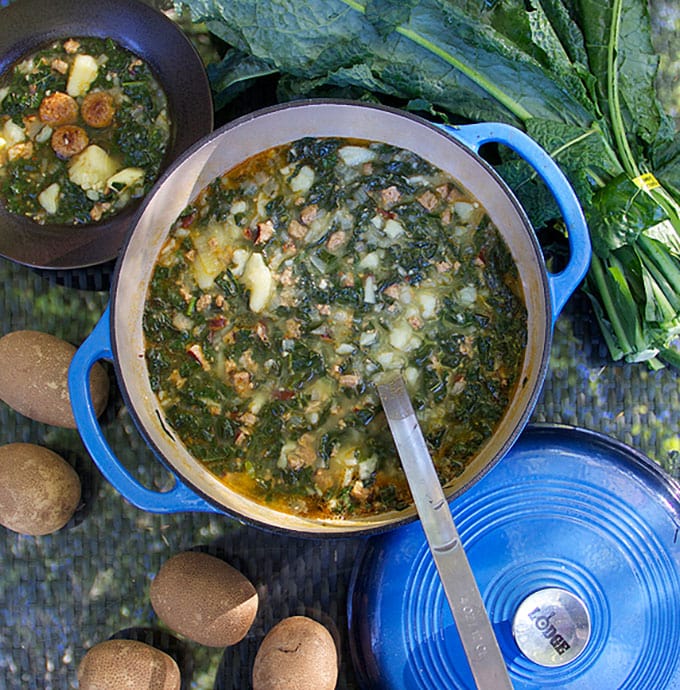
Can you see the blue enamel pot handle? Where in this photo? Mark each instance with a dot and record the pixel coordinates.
(561, 284)
(179, 498)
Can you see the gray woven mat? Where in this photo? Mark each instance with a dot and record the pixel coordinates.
(62, 593)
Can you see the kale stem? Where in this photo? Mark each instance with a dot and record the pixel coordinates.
(659, 194)
(599, 182)
(668, 204)
(661, 292)
(618, 126)
(664, 263)
(572, 142)
(477, 77)
(671, 356)
(598, 273)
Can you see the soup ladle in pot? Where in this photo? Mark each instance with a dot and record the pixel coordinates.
(472, 621)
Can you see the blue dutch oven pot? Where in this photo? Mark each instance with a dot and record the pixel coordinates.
(119, 334)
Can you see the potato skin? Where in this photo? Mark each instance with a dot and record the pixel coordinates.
(39, 490)
(296, 654)
(204, 598)
(34, 378)
(128, 665)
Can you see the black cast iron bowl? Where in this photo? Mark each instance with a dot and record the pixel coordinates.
(119, 334)
(26, 26)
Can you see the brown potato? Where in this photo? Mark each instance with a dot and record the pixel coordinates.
(33, 378)
(98, 109)
(39, 490)
(203, 598)
(69, 140)
(58, 109)
(128, 665)
(296, 654)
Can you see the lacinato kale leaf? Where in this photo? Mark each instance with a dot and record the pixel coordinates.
(441, 54)
(617, 32)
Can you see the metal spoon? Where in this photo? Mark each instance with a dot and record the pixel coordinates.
(473, 624)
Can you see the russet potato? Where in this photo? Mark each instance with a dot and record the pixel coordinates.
(39, 490)
(34, 377)
(204, 598)
(298, 653)
(128, 665)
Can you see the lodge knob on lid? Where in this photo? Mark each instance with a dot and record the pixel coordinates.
(551, 627)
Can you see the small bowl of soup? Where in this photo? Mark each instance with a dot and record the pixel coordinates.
(95, 102)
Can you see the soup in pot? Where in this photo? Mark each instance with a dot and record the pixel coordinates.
(295, 280)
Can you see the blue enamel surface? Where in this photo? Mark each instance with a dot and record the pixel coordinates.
(565, 508)
(562, 284)
(97, 347)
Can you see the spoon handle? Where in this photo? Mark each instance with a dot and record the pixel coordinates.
(473, 624)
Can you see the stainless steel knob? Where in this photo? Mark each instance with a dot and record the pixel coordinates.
(551, 627)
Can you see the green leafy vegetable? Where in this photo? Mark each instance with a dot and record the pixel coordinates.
(577, 75)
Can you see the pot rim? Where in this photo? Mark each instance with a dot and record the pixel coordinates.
(321, 528)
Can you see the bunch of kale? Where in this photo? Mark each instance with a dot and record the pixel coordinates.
(576, 75)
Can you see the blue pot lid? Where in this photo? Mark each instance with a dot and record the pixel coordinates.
(574, 539)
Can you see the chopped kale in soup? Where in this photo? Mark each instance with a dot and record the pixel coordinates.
(83, 130)
(296, 279)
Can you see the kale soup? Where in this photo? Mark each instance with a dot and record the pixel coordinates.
(84, 126)
(291, 283)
